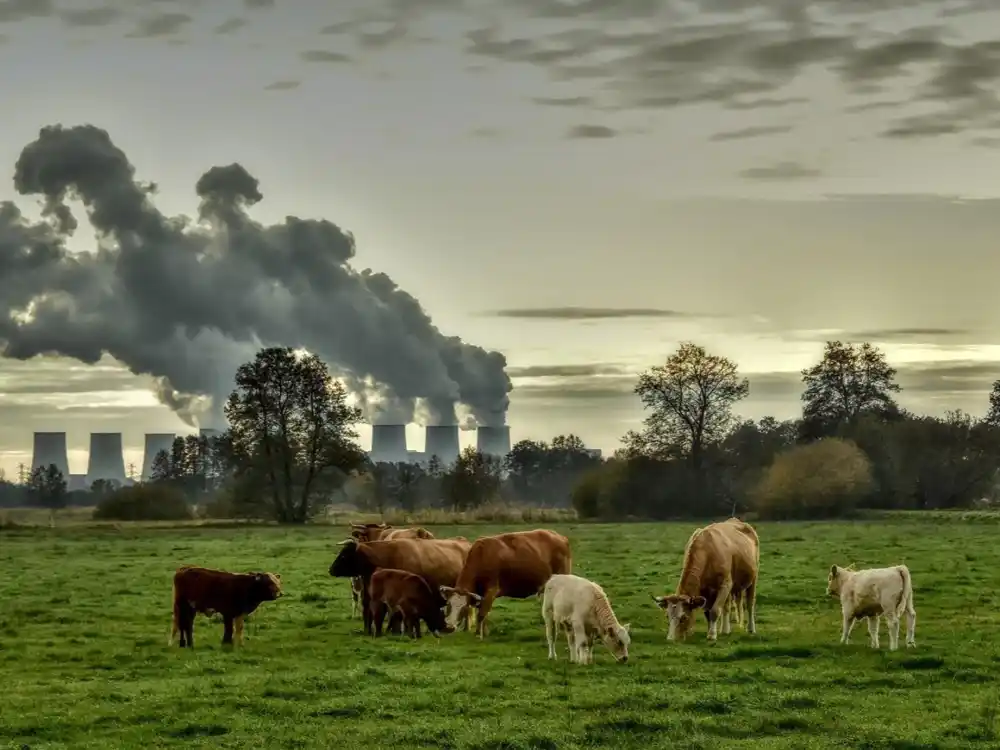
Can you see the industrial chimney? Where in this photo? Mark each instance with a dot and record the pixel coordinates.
(441, 441)
(389, 443)
(50, 448)
(494, 441)
(106, 460)
(155, 442)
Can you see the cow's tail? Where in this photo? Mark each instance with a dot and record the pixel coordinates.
(906, 597)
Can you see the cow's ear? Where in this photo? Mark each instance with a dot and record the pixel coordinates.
(446, 591)
(475, 598)
(698, 602)
(627, 627)
(833, 570)
(661, 601)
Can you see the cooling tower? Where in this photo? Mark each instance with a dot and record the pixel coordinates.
(441, 441)
(50, 448)
(493, 441)
(106, 460)
(389, 443)
(155, 442)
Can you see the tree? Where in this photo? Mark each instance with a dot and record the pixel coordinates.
(848, 382)
(826, 478)
(691, 398)
(291, 434)
(992, 417)
(103, 487)
(47, 488)
(473, 480)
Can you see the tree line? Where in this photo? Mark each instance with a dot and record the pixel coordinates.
(292, 450)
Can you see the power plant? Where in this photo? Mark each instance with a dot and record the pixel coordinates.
(106, 459)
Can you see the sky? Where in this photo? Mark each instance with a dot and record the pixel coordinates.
(578, 184)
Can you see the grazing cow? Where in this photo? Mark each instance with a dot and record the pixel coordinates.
(516, 564)
(871, 593)
(371, 532)
(438, 561)
(407, 594)
(209, 592)
(721, 562)
(581, 608)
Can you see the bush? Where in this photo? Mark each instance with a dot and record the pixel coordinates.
(144, 502)
(824, 479)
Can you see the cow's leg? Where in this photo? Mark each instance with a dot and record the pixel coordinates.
(416, 627)
(570, 641)
(727, 609)
(750, 607)
(355, 598)
(892, 625)
(873, 623)
(377, 617)
(580, 638)
(717, 608)
(845, 636)
(366, 610)
(185, 623)
(484, 610)
(238, 629)
(396, 623)
(227, 630)
(550, 633)
(911, 625)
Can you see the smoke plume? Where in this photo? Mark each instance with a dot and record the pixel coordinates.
(186, 301)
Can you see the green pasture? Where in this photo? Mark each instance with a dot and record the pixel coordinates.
(84, 661)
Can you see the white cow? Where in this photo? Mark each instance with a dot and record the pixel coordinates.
(871, 593)
(581, 608)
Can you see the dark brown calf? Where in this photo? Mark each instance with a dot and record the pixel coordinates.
(392, 591)
(209, 592)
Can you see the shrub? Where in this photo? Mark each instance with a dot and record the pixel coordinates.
(144, 502)
(818, 480)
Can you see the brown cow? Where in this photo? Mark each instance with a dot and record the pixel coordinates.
(209, 592)
(397, 591)
(438, 561)
(516, 564)
(372, 532)
(721, 562)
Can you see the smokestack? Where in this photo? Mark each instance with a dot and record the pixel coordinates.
(106, 460)
(442, 441)
(389, 443)
(155, 442)
(493, 441)
(50, 448)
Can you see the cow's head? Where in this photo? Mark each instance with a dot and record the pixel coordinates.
(617, 639)
(835, 581)
(680, 610)
(457, 604)
(266, 587)
(368, 532)
(437, 623)
(351, 561)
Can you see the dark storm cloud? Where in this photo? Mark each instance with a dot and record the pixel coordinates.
(587, 313)
(90, 17)
(187, 305)
(757, 131)
(12, 11)
(781, 171)
(324, 56)
(282, 85)
(584, 132)
(230, 25)
(165, 24)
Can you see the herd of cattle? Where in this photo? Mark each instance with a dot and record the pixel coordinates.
(409, 576)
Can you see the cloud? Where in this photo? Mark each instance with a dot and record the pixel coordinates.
(90, 17)
(258, 4)
(565, 371)
(282, 85)
(767, 102)
(230, 25)
(782, 170)
(166, 24)
(12, 11)
(563, 101)
(591, 132)
(906, 335)
(756, 131)
(324, 56)
(586, 313)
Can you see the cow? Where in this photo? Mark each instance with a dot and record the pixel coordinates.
(582, 610)
(871, 593)
(721, 562)
(438, 561)
(209, 592)
(371, 532)
(515, 564)
(393, 591)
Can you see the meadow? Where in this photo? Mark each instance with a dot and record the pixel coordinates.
(84, 661)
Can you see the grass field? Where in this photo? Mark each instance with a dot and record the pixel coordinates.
(85, 615)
